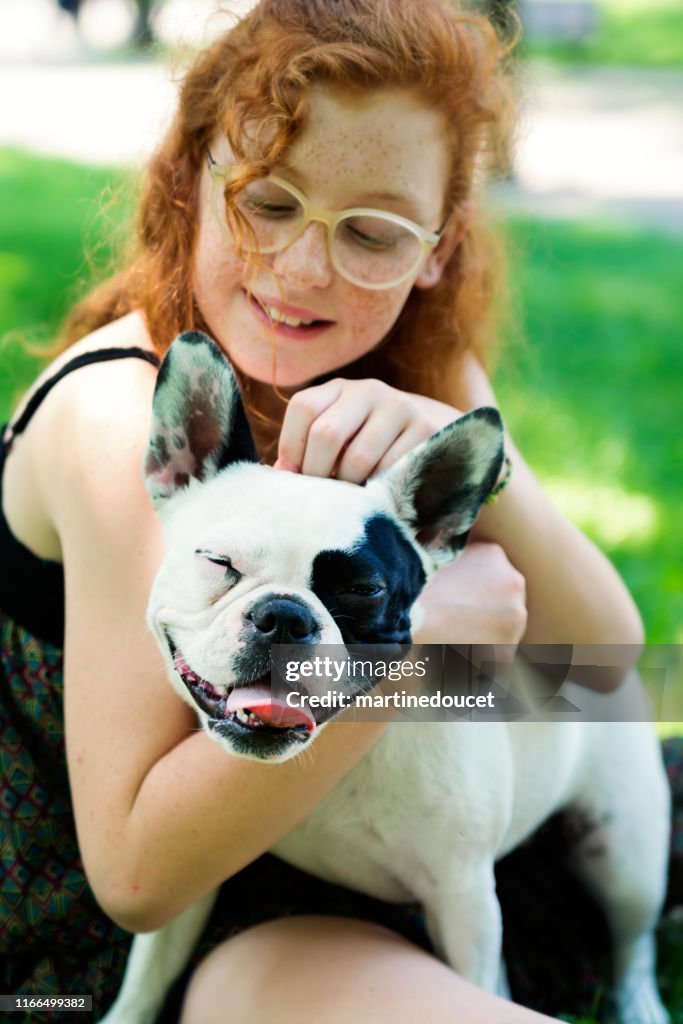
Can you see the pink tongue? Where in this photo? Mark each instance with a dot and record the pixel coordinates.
(270, 710)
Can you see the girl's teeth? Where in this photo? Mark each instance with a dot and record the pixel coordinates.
(281, 318)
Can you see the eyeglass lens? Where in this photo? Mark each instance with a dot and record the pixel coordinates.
(368, 248)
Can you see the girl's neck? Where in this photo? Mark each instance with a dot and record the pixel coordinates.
(265, 407)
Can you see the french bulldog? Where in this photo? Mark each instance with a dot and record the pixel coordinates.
(257, 557)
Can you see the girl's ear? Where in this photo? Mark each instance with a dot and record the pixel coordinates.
(453, 234)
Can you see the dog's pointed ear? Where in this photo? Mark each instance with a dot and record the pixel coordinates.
(439, 488)
(198, 421)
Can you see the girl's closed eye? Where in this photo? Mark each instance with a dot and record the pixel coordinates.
(268, 206)
(372, 234)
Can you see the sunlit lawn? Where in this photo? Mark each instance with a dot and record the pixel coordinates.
(49, 209)
(634, 33)
(593, 394)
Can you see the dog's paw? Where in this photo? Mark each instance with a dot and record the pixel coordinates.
(637, 1006)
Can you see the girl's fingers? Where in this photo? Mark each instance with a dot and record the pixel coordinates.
(350, 429)
(330, 434)
(304, 408)
(382, 433)
(406, 442)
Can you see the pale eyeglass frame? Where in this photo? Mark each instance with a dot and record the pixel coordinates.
(427, 239)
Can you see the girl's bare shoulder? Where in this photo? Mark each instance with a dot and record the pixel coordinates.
(128, 332)
(95, 417)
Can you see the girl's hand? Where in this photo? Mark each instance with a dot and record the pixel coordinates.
(480, 599)
(352, 429)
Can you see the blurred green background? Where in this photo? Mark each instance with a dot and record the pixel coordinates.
(590, 376)
(634, 33)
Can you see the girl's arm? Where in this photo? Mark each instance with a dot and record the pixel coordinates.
(573, 593)
(163, 815)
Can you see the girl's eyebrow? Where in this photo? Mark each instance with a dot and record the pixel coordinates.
(361, 199)
(388, 197)
(409, 207)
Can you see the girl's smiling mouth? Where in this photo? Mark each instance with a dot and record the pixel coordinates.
(285, 320)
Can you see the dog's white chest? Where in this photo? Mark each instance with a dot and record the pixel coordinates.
(412, 803)
(431, 796)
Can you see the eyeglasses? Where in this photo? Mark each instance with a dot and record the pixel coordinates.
(371, 248)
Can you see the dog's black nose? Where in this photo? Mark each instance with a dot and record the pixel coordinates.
(281, 620)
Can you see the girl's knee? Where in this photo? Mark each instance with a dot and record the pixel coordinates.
(336, 971)
(296, 968)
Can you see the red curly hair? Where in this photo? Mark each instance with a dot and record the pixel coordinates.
(262, 70)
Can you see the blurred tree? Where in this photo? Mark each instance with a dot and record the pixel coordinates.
(498, 11)
(142, 33)
(71, 6)
(142, 36)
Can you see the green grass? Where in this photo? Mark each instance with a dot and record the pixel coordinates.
(592, 395)
(634, 33)
(48, 213)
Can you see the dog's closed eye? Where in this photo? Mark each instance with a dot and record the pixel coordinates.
(217, 568)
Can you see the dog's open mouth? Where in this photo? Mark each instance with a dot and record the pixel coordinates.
(251, 706)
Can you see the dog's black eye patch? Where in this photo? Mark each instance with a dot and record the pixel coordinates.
(370, 589)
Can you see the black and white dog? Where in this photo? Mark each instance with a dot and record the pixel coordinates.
(256, 557)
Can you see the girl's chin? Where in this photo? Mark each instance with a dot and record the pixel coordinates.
(281, 371)
(283, 381)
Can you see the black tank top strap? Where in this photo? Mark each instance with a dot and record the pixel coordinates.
(101, 355)
(24, 575)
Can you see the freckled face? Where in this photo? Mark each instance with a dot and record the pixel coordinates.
(354, 152)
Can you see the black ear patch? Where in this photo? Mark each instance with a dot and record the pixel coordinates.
(198, 421)
(439, 488)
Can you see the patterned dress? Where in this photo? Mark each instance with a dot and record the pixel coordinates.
(55, 939)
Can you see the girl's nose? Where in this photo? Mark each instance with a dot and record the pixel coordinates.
(305, 262)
